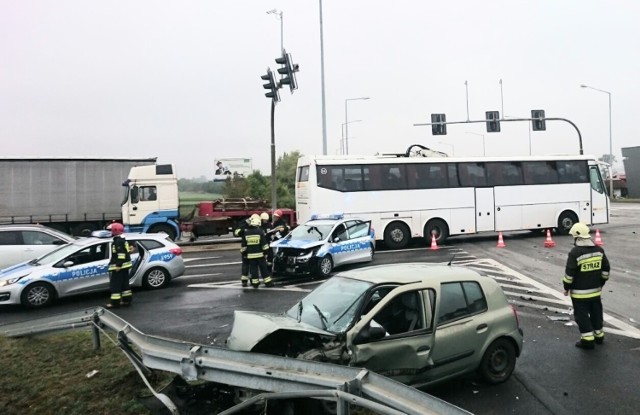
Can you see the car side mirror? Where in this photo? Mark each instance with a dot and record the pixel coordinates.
(67, 264)
(336, 239)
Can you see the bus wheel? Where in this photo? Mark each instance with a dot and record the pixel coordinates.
(566, 220)
(436, 227)
(396, 235)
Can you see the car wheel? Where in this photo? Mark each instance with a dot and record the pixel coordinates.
(436, 227)
(39, 294)
(396, 235)
(566, 220)
(156, 278)
(498, 361)
(164, 229)
(324, 266)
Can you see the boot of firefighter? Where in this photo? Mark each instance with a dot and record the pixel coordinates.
(127, 297)
(114, 301)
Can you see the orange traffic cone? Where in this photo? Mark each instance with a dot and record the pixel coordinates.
(549, 242)
(500, 241)
(434, 244)
(598, 240)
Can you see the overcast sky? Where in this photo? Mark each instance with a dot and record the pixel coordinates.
(180, 80)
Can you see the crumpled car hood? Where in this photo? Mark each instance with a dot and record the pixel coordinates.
(300, 244)
(251, 327)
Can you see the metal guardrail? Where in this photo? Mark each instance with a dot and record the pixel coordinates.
(279, 377)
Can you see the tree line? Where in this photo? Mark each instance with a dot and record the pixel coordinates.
(255, 186)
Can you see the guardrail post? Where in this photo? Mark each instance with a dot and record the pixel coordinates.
(95, 332)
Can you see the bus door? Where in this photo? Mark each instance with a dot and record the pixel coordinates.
(485, 209)
(599, 197)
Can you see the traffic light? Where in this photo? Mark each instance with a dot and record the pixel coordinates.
(437, 124)
(538, 123)
(493, 123)
(288, 71)
(271, 85)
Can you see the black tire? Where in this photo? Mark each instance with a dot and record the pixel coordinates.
(498, 361)
(436, 227)
(397, 235)
(566, 220)
(36, 295)
(156, 278)
(164, 228)
(84, 229)
(324, 266)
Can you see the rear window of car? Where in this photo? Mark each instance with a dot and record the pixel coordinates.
(150, 244)
(460, 299)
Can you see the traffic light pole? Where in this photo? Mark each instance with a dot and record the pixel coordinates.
(274, 201)
(511, 120)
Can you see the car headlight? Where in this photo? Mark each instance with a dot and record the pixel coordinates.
(10, 281)
(305, 258)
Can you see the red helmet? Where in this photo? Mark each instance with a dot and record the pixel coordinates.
(116, 229)
(277, 213)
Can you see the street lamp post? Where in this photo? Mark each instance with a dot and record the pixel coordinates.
(346, 121)
(324, 109)
(278, 14)
(484, 153)
(342, 130)
(610, 139)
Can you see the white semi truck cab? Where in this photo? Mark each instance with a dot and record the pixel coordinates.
(151, 202)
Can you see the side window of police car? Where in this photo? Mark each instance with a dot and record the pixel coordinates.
(339, 234)
(89, 254)
(357, 229)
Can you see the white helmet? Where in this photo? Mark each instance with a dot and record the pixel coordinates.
(264, 216)
(254, 220)
(580, 230)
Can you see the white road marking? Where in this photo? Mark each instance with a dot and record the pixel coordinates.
(199, 275)
(200, 259)
(238, 286)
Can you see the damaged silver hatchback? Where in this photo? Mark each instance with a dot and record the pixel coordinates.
(416, 323)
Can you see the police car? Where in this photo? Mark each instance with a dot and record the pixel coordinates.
(323, 243)
(82, 267)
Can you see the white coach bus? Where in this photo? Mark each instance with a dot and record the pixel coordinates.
(416, 196)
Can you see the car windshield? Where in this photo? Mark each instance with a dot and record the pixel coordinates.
(331, 306)
(311, 231)
(56, 255)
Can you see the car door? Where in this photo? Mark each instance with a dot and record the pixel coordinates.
(462, 328)
(85, 270)
(402, 351)
(359, 234)
(13, 251)
(140, 258)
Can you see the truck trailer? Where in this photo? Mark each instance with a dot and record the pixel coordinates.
(74, 195)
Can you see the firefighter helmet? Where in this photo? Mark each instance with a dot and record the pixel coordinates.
(116, 229)
(580, 230)
(277, 213)
(264, 216)
(254, 220)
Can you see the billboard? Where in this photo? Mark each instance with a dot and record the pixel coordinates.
(230, 166)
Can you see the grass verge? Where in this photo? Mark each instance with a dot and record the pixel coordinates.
(48, 375)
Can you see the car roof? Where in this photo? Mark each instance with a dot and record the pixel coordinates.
(411, 272)
(35, 227)
(331, 221)
(129, 236)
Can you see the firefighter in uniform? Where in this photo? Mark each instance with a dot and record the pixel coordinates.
(280, 227)
(119, 267)
(239, 232)
(266, 228)
(254, 245)
(586, 273)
